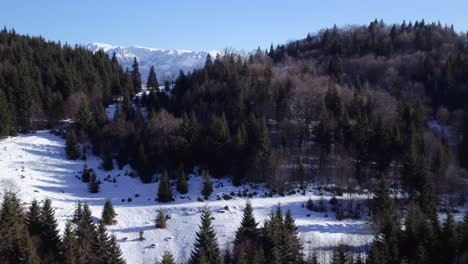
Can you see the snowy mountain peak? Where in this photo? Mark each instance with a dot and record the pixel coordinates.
(167, 62)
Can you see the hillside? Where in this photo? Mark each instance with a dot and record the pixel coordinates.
(35, 165)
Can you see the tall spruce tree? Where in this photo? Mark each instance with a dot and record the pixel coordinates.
(207, 185)
(70, 249)
(33, 219)
(152, 81)
(164, 189)
(71, 146)
(16, 245)
(206, 244)
(115, 254)
(247, 235)
(86, 235)
(51, 242)
(182, 183)
(136, 76)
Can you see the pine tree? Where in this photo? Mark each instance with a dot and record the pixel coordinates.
(182, 183)
(340, 255)
(206, 244)
(161, 221)
(93, 184)
(69, 245)
(136, 76)
(86, 235)
(108, 213)
(167, 258)
(103, 243)
(25, 251)
(78, 213)
(164, 189)
(115, 254)
(51, 243)
(247, 235)
(463, 153)
(107, 160)
(71, 146)
(33, 220)
(207, 185)
(448, 239)
(312, 258)
(86, 174)
(152, 81)
(16, 245)
(464, 235)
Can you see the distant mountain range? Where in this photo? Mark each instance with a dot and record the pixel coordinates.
(167, 63)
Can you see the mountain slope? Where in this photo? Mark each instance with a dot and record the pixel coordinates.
(35, 166)
(167, 63)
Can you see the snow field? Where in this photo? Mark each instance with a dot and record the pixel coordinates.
(36, 167)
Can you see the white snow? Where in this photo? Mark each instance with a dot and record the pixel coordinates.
(35, 165)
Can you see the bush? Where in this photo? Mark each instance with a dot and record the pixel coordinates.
(160, 220)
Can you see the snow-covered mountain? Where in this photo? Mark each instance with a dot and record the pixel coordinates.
(167, 63)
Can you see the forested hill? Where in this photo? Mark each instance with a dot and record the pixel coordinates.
(42, 82)
(408, 60)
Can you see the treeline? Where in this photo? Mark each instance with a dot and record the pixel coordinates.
(32, 236)
(42, 82)
(267, 117)
(421, 238)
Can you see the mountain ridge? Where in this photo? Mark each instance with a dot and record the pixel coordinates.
(167, 62)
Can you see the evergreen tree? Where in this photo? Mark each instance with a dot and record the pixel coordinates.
(206, 245)
(69, 245)
(71, 146)
(207, 185)
(108, 213)
(103, 243)
(33, 219)
(340, 255)
(312, 258)
(247, 235)
(182, 183)
(78, 213)
(86, 235)
(136, 76)
(93, 184)
(152, 81)
(387, 227)
(86, 174)
(161, 221)
(16, 245)
(115, 254)
(51, 243)
(164, 189)
(463, 153)
(167, 258)
(448, 239)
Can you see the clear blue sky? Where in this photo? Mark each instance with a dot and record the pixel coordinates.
(210, 24)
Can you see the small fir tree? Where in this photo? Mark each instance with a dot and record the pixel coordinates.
(108, 213)
(164, 189)
(207, 185)
(161, 221)
(72, 147)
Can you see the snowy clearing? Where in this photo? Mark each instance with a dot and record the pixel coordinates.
(35, 165)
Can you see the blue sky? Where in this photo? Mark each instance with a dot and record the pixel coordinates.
(210, 24)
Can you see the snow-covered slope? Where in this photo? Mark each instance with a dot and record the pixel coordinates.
(35, 165)
(166, 62)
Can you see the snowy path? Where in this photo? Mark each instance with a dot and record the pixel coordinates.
(35, 165)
